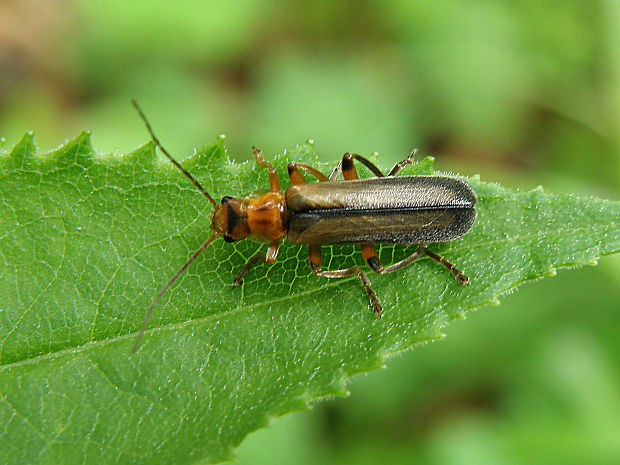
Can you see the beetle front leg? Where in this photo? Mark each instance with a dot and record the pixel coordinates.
(269, 258)
(274, 181)
(314, 254)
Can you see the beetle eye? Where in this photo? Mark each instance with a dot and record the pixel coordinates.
(228, 239)
(226, 199)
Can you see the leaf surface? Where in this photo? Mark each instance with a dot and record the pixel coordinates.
(87, 241)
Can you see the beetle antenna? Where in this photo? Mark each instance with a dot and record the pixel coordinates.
(166, 287)
(176, 163)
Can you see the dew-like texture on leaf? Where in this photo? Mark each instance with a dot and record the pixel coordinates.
(87, 240)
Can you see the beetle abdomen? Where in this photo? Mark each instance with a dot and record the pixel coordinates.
(400, 210)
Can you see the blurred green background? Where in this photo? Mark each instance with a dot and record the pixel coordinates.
(524, 92)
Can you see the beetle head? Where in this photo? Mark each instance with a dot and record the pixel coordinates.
(230, 220)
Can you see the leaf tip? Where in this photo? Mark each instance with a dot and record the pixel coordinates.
(145, 154)
(24, 149)
(425, 165)
(72, 149)
(303, 153)
(210, 154)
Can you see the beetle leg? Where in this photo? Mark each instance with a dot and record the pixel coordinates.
(349, 172)
(348, 168)
(314, 254)
(334, 174)
(458, 274)
(274, 181)
(400, 165)
(297, 177)
(371, 257)
(269, 258)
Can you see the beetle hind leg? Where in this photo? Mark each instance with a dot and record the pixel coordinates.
(458, 274)
(314, 253)
(349, 172)
(370, 255)
(398, 167)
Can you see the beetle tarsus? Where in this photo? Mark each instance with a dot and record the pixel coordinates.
(257, 257)
(398, 167)
(374, 301)
(458, 274)
(460, 277)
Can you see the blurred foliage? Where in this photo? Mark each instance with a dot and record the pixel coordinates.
(523, 92)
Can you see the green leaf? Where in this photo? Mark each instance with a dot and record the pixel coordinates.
(87, 240)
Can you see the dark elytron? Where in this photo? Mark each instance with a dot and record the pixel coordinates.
(385, 209)
(403, 210)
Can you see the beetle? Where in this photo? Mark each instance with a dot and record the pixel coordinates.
(384, 209)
